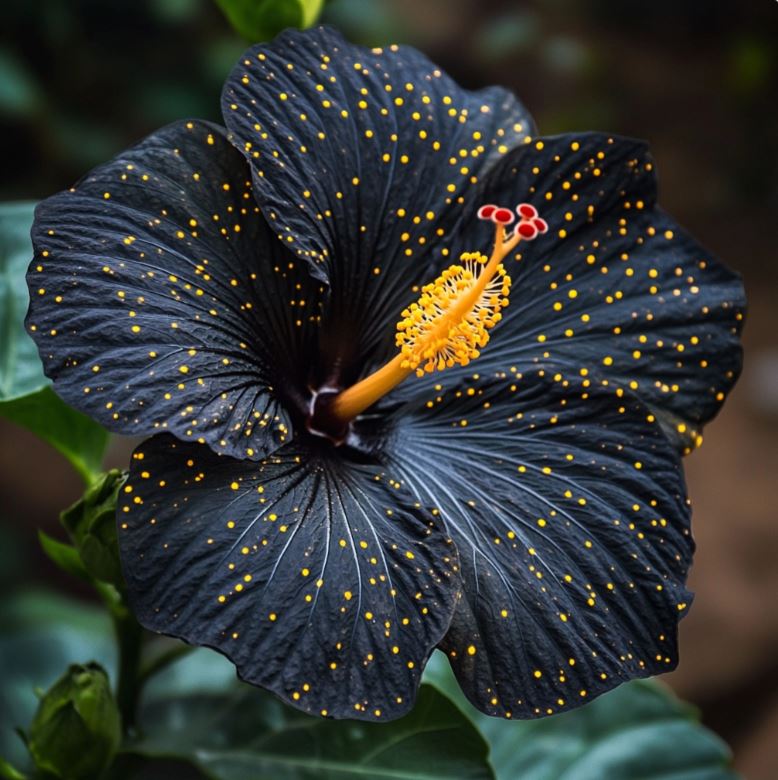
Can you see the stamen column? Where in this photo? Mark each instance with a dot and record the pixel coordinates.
(448, 324)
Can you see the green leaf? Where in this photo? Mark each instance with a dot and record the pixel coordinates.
(20, 368)
(65, 556)
(639, 730)
(311, 11)
(78, 438)
(10, 772)
(247, 734)
(261, 20)
(25, 395)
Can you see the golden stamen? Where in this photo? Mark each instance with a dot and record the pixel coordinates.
(447, 326)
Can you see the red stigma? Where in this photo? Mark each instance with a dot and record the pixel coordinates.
(530, 225)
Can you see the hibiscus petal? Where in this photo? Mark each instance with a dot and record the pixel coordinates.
(616, 289)
(363, 160)
(318, 579)
(160, 300)
(568, 510)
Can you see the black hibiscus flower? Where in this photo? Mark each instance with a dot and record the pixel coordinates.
(302, 509)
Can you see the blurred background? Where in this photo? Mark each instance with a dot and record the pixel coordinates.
(82, 79)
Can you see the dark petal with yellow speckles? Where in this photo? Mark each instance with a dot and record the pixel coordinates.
(616, 290)
(568, 510)
(161, 301)
(362, 159)
(308, 570)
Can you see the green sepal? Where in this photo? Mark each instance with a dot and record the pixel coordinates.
(64, 556)
(76, 731)
(91, 524)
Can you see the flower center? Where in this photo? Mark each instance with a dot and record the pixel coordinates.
(449, 324)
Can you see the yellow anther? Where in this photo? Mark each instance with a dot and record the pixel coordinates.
(433, 334)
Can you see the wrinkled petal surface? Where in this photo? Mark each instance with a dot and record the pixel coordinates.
(616, 289)
(363, 161)
(317, 578)
(568, 510)
(161, 301)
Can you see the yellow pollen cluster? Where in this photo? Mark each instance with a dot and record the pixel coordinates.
(450, 322)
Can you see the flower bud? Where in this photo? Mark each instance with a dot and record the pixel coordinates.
(91, 523)
(76, 730)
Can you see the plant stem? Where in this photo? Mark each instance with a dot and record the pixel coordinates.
(129, 635)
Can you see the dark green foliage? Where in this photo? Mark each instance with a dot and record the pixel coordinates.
(78, 438)
(640, 730)
(243, 735)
